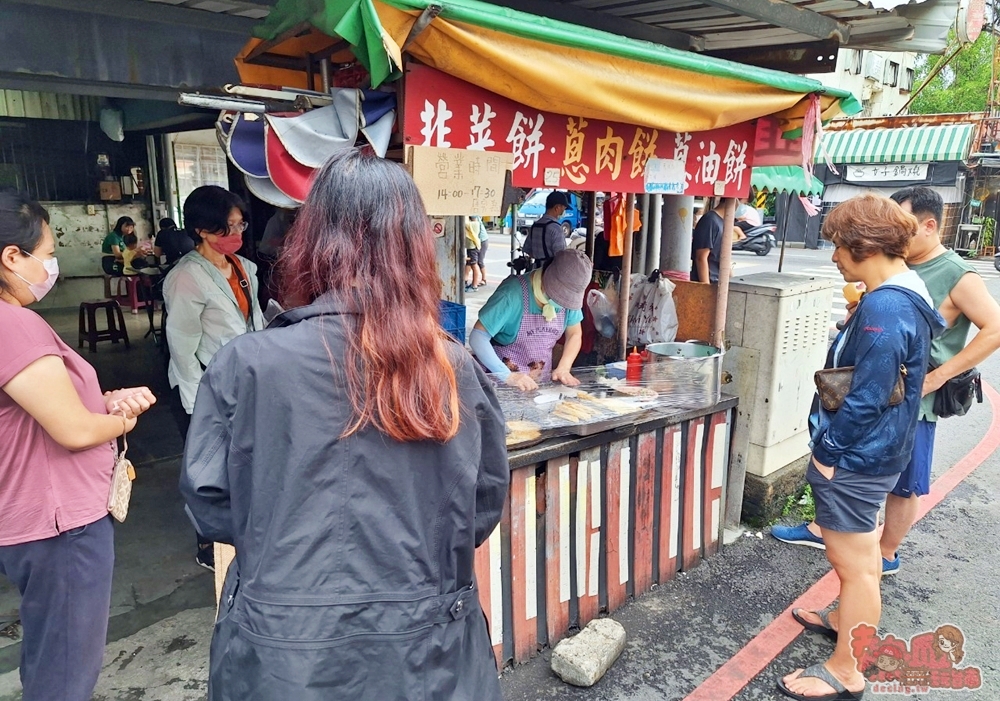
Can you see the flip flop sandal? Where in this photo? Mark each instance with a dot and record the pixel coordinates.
(819, 671)
(825, 629)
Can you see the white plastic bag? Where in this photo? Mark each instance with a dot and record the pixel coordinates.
(605, 315)
(652, 315)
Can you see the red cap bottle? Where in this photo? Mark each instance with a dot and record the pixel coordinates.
(633, 367)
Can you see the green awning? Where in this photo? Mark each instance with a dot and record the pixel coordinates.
(946, 142)
(785, 178)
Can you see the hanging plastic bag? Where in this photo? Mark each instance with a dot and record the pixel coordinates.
(652, 315)
(605, 314)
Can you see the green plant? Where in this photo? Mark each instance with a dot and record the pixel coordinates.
(801, 505)
(989, 227)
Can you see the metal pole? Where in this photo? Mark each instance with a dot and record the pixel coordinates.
(626, 274)
(171, 187)
(784, 227)
(592, 223)
(153, 178)
(655, 234)
(324, 72)
(644, 235)
(513, 233)
(725, 270)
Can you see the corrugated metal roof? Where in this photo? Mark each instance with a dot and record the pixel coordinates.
(258, 9)
(721, 25)
(727, 24)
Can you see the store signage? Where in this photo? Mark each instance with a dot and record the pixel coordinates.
(666, 175)
(573, 153)
(456, 181)
(971, 19)
(771, 148)
(885, 172)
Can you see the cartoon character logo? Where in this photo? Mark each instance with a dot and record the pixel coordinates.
(927, 661)
(948, 641)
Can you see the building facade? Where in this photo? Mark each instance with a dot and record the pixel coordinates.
(882, 80)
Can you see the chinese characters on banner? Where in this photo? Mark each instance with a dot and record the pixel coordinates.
(557, 151)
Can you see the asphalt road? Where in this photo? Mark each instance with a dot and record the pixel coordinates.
(683, 631)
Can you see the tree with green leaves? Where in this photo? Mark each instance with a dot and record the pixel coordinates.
(961, 86)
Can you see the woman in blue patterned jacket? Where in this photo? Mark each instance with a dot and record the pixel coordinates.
(860, 448)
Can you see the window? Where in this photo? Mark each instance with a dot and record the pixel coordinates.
(892, 74)
(199, 165)
(854, 62)
(906, 84)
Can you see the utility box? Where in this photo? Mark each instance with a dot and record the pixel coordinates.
(777, 334)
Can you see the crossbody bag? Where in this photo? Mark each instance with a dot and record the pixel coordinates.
(833, 384)
(122, 477)
(956, 395)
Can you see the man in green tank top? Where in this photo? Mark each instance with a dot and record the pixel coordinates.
(961, 297)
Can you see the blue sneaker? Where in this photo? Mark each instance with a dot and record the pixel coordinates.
(890, 566)
(798, 535)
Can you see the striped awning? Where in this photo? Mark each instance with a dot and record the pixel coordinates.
(785, 179)
(946, 142)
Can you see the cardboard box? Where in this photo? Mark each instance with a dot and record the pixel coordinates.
(110, 190)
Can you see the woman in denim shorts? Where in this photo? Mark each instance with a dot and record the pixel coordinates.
(860, 449)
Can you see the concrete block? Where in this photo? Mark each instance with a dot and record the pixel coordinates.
(764, 497)
(583, 659)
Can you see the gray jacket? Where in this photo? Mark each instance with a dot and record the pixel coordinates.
(353, 576)
(202, 316)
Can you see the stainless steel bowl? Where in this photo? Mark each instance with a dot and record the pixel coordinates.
(686, 375)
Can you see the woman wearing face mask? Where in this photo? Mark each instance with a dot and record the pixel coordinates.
(211, 298)
(56, 538)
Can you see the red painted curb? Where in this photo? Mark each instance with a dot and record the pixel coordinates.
(730, 678)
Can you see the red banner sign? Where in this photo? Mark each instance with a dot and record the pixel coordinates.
(573, 153)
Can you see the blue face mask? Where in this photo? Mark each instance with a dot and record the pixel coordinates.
(40, 289)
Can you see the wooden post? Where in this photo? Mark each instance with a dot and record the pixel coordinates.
(626, 274)
(592, 223)
(725, 270)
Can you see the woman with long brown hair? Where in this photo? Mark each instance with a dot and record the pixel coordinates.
(355, 457)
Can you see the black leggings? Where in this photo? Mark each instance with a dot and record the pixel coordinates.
(111, 266)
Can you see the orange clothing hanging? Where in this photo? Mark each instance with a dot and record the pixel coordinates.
(615, 218)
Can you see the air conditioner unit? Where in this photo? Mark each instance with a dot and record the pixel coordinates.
(874, 66)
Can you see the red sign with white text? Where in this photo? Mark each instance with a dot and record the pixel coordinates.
(573, 153)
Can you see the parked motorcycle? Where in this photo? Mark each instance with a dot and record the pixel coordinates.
(759, 240)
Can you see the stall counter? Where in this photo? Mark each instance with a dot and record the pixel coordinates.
(591, 521)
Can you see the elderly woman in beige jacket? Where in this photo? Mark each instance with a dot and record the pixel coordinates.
(211, 298)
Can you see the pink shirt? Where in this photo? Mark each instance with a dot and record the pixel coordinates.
(44, 488)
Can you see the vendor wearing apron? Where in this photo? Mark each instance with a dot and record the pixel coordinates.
(520, 324)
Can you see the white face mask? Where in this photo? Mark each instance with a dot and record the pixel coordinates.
(39, 290)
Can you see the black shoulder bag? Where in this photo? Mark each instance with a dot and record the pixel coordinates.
(956, 395)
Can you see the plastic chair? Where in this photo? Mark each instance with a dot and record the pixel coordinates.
(88, 330)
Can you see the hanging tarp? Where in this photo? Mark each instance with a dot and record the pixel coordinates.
(786, 179)
(543, 63)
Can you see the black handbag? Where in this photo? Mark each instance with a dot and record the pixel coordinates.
(956, 395)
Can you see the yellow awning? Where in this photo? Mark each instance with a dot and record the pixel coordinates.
(556, 66)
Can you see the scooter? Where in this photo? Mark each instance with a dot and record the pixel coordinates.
(759, 240)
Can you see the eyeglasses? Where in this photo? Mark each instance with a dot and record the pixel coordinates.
(235, 229)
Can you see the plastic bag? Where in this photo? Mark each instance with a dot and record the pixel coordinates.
(652, 315)
(605, 314)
